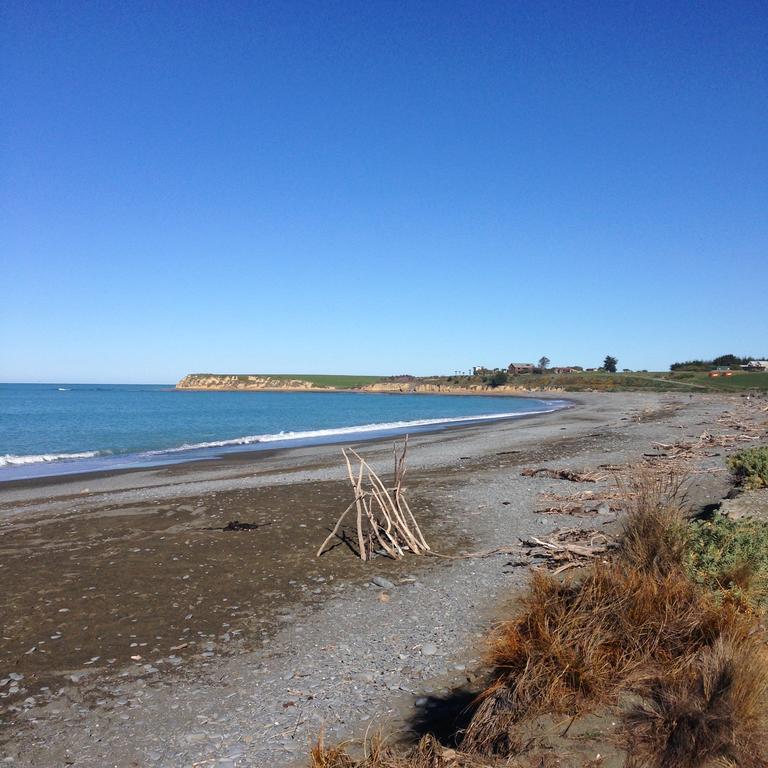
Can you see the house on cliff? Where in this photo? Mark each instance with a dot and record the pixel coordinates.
(516, 368)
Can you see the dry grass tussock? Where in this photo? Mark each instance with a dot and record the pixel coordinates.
(580, 643)
(714, 715)
(654, 529)
(427, 754)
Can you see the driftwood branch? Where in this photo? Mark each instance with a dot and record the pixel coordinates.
(563, 474)
(384, 520)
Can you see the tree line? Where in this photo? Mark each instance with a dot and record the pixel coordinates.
(717, 362)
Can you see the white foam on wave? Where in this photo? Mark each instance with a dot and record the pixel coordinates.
(353, 430)
(12, 461)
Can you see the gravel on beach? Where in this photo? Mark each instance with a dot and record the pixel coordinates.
(348, 646)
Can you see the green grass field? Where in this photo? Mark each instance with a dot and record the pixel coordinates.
(740, 381)
(662, 381)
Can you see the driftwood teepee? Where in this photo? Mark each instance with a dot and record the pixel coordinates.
(385, 523)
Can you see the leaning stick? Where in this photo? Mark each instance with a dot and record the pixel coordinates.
(415, 524)
(400, 521)
(335, 529)
(358, 502)
(395, 550)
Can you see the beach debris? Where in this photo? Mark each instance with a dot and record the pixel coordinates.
(564, 474)
(567, 548)
(574, 510)
(583, 504)
(236, 525)
(384, 521)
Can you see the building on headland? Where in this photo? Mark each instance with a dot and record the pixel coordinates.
(567, 369)
(517, 368)
(756, 365)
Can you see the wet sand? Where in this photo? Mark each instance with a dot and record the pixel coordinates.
(96, 590)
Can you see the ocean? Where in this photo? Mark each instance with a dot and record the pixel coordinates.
(53, 429)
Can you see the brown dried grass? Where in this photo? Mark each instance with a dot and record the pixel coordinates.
(580, 643)
(427, 754)
(654, 534)
(714, 715)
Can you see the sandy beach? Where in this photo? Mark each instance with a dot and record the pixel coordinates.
(138, 632)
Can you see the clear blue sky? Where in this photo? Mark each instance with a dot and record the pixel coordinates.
(379, 187)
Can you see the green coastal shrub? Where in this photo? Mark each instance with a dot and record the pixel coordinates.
(730, 557)
(750, 467)
(498, 379)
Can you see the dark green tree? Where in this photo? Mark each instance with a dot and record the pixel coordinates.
(543, 363)
(498, 378)
(729, 360)
(609, 364)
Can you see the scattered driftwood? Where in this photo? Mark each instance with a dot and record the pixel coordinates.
(384, 521)
(573, 510)
(563, 474)
(567, 548)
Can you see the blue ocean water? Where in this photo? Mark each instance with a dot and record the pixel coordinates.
(48, 429)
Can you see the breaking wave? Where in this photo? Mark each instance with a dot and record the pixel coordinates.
(319, 435)
(13, 461)
(354, 430)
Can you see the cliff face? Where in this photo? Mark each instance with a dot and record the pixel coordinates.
(394, 386)
(215, 381)
(221, 381)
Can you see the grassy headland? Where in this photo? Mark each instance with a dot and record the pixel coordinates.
(601, 381)
(586, 381)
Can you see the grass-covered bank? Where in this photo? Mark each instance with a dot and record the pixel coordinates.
(602, 381)
(496, 383)
(664, 639)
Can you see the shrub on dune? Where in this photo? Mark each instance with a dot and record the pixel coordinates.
(655, 532)
(578, 644)
(714, 715)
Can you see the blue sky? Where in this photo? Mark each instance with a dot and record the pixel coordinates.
(379, 187)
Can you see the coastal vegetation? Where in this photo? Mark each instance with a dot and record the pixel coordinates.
(730, 558)
(602, 381)
(665, 637)
(723, 361)
(750, 467)
(541, 379)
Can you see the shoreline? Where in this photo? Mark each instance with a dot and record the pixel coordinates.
(132, 462)
(259, 613)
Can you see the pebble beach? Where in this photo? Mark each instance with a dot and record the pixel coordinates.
(139, 632)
